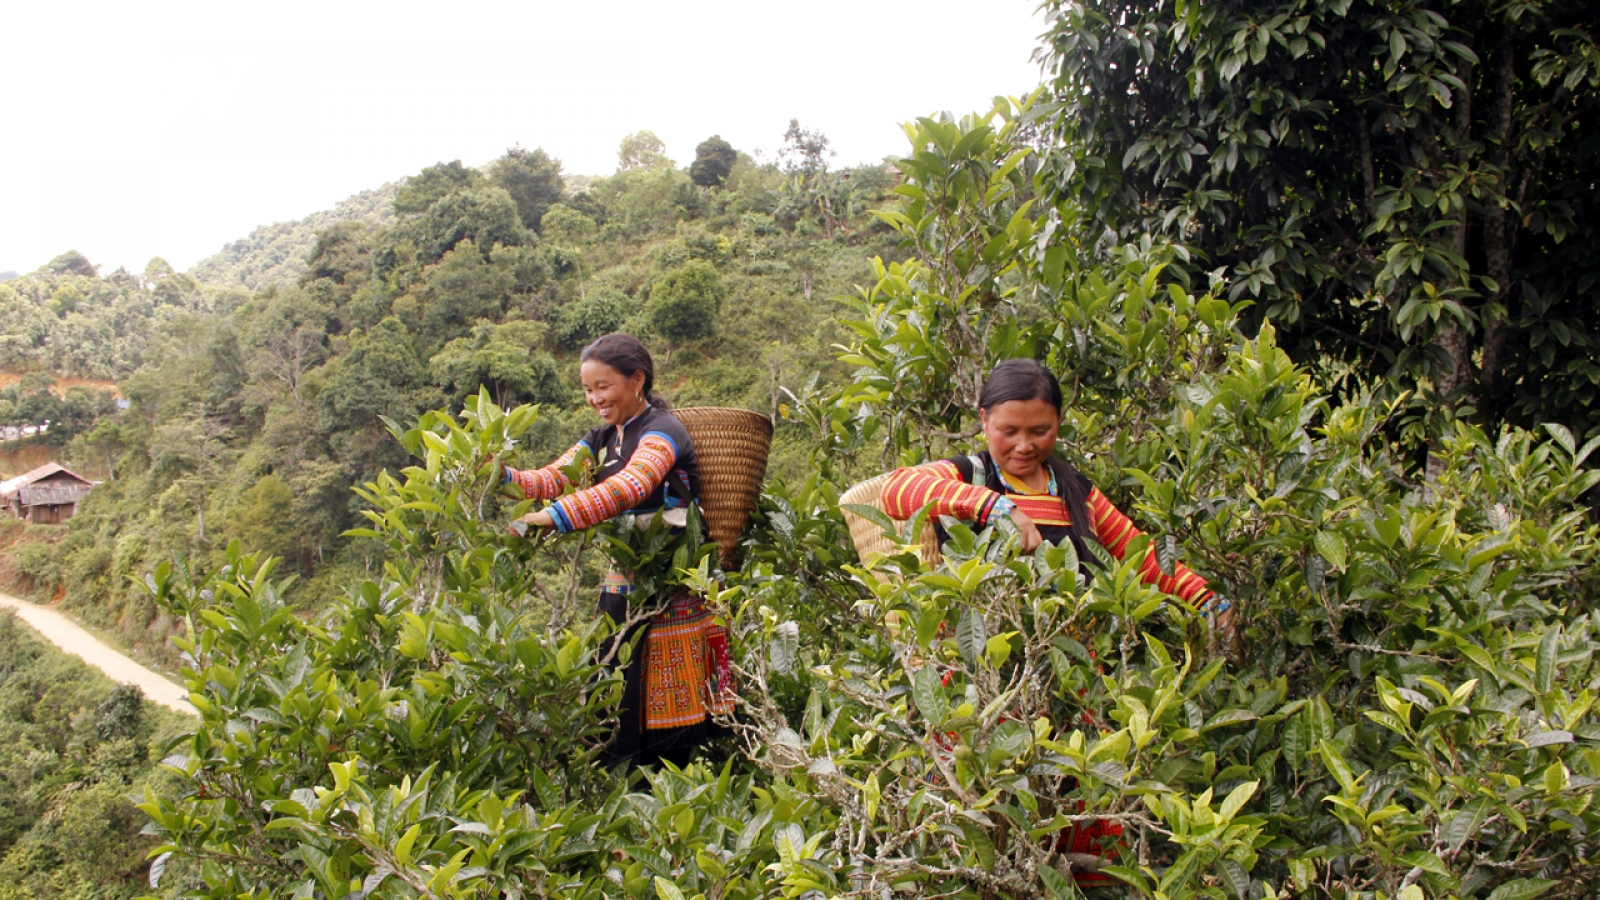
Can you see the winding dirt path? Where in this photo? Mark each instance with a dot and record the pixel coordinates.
(65, 633)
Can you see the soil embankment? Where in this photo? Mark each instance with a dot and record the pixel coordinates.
(66, 634)
(7, 379)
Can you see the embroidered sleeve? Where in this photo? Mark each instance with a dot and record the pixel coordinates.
(1115, 530)
(546, 483)
(644, 472)
(940, 483)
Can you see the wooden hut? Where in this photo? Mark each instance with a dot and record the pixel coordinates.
(47, 495)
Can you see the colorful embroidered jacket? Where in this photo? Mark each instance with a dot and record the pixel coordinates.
(944, 485)
(646, 464)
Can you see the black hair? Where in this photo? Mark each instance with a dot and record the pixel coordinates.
(629, 356)
(1026, 379)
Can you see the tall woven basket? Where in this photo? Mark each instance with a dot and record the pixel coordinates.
(868, 537)
(731, 446)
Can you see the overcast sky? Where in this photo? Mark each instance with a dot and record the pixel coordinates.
(169, 129)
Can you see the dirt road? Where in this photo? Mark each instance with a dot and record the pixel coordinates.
(65, 633)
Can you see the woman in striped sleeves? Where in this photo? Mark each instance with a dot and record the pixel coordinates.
(679, 677)
(1020, 476)
(1024, 479)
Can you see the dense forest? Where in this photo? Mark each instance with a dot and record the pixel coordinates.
(278, 253)
(76, 748)
(252, 415)
(1316, 283)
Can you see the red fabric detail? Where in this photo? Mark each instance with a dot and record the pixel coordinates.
(546, 483)
(939, 483)
(644, 472)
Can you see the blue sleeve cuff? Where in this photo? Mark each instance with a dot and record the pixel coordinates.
(563, 524)
(664, 436)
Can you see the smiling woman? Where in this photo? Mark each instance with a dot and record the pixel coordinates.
(680, 676)
(1020, 476)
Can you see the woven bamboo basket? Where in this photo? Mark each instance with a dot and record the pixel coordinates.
(868, 537)
(731, 446)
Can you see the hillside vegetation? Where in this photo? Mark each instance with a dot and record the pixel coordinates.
(1322, 311)
(253, 414)
(1405, 709)
(276, 253)
(75, 748)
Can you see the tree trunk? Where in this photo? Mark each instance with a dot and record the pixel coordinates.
(1369, 177)
(1496, 222)
(1457, 344)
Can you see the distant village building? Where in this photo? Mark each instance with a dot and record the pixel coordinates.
(18, 432)
(45, 496)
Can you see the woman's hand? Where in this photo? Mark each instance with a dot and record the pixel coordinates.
(496, 470)
(1222, 619)
(1027, 531)
(540, 519)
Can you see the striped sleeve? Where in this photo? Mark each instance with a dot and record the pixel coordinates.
(644, 472)
(546, 483)
(1115, 530)
(940, 483)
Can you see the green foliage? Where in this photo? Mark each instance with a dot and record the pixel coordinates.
(642, 150)
(75, 746)
(486, 216)
(71, 263)
(84, 326)
(378, 376)
(805, 151)
(69, 414)
(1000, 698)
(273, 254)
(927, 330)
(684, 304)
(435, 731)
(581, 321)
(292, 381)
(433, 184)
(1397, 185)
(501, 359)
(532, 178)
(713, 161)
(264, 517)
(1405, 711)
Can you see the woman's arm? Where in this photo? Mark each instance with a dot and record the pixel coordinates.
(1116, 530)
(546, 483)
(940, 483)
(643, 473)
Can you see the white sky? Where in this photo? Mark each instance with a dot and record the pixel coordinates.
(167, 129)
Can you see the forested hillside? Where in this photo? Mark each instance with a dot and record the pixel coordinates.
(252, 415)
(1323, 316)
(69, 320)
(276, 253)
(75, 747)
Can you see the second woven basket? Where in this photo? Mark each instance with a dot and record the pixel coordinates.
(731, 446)
(866, 534)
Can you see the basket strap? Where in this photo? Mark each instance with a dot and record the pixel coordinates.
(979, 477)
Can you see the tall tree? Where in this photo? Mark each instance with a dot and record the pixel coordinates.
(421, 190)
(685, 303)
(642, 150)
(713, 160)
(570, 231)
(532, 178)
(72, 263)
(1406, 184)
(805, 151)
